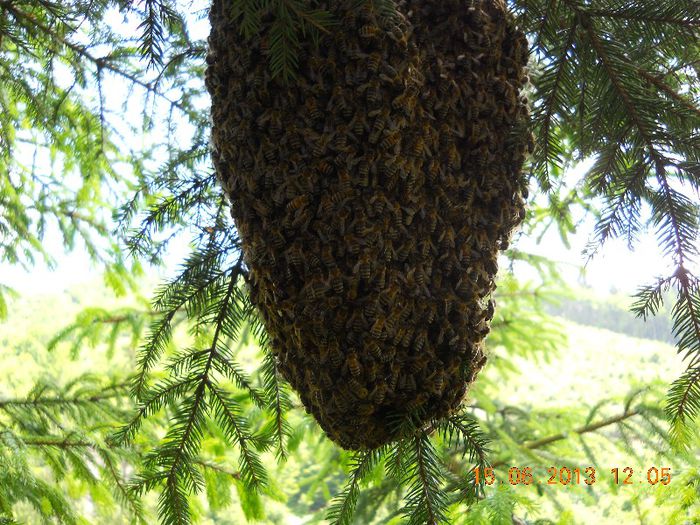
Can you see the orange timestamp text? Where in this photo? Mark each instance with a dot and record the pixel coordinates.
(571, 476)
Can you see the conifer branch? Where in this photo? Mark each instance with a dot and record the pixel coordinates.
(204, 378)
(218, 468)
(663, 86)
(585, 429)
(99, 62)
(627, 14)
(77, 400)
(426, 483)
(553, 92)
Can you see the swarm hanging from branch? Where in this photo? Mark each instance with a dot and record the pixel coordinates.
(372, 196)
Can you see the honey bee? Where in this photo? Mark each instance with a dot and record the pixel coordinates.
(269, 152)
(340, 101)
(316, 288)
(327, 256)
(377, 202)
(357, 389)
(363, 172)
(295, 255)
(323, 352)
(399, 102)
(372, 371)
(353, 364)
(418, 147)
(278, 240)
(358, 125)
(447, 237)
(358, 323)
(353, 289)
(387, 354)
(364, 267)
(417, 402)
(340, 140)
(399, 33)
(352, 243)
(404, 250)
(381, 279)
(378, 125)
(420, 340)
(390, 140)
(365, 409)
(374, 61)
(394, 376)
(374, 349)
(310, 310)
(343, 404)
(320, 145)
(333, 302)
(407, 382)
(379, 393)
(400, 333)
(373, 91)
(437, 382)
(298, 202)
(391, 170)
(336, 355)
(344, 180)
(405, 312)
(325, 379)
(317, 398)
(325, 167)
(387, 297)
(312, 109)
(369, 31)
(408, 336)
(391, 322)
(490, 309)
(336, 280)
(343, 216)
(294, 138)
(415, 178)
(377, 330)
(247, 161)
(302, 218)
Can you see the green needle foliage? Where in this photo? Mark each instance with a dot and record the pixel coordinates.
(615, 82)
(56, 436)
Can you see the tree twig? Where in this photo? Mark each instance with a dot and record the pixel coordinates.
(592, 427)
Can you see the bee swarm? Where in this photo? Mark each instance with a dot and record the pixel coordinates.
(372, 196)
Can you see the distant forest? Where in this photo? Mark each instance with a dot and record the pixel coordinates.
(615, 318)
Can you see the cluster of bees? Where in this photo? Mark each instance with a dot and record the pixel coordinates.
(372, 197)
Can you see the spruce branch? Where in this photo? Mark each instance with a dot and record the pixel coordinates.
(217, 467)
(636, 13)
(550, 150)
(73, 400)
(684, 101)
(280, 403)
(426, 499)
(342, 508)
(100, 62)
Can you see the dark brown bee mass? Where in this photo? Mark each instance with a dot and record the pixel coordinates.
(372, 196)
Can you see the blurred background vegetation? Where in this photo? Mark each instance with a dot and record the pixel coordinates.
(565, 368)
